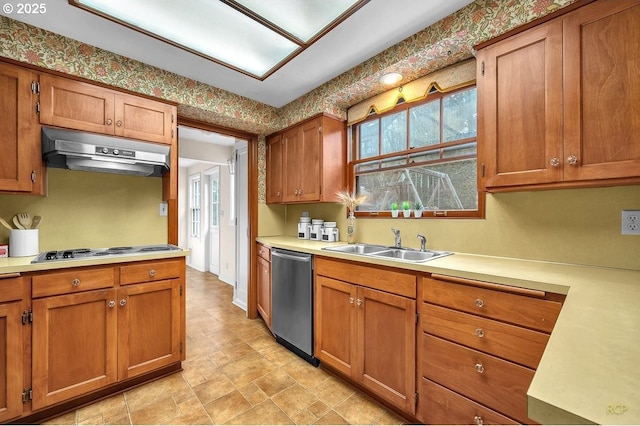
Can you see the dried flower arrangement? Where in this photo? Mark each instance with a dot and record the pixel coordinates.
(350, 199)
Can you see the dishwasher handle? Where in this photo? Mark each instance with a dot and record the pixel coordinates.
(297, 258)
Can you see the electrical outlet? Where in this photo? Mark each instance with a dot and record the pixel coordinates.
(630, 222)
(163, 209)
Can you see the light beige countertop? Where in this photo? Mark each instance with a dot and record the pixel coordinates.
(12, 265)
(590, 370)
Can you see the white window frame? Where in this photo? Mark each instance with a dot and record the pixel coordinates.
(195, 202)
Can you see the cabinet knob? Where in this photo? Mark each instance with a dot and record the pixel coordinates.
(351, 300)
(479, 303)
(152, 272)
(479, 332)
(75, 282)
(359, 302)
(109, 121)
(555, 161)
(123, 302)
(572, 160)
(119, 123)
(278, 194)
(111, 303)
(478, 420)
(480, 368)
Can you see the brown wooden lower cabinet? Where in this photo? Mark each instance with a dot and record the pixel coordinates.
(367, 335)
(11, 348)
(263, 265)
(479, 346)
(74, 350)
(149, 335)
(94, 330)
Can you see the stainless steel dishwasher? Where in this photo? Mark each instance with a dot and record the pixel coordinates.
(292, 302)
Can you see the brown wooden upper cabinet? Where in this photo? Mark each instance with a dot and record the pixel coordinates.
(559, 103)
(83, 106)
(21, 167)
(312, 160)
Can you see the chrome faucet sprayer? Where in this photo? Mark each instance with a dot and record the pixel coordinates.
(423, 242)
(396, 234)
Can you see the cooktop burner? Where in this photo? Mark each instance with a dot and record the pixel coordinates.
(83, 253)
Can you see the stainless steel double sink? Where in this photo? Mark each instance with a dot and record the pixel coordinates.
(392, 253)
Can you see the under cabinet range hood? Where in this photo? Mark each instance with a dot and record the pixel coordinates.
(69, 149)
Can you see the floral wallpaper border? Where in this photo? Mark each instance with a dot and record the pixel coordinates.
(448, 41)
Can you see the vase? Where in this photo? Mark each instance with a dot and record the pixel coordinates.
(394, 213)
(351, 228)
(417, 213)
(406, 213)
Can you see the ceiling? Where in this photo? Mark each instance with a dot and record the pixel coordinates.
(377, 25)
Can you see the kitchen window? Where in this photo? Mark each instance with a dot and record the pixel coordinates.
(423, 153)
(194, 206)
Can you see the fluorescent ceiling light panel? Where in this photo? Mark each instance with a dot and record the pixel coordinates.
(303, 19)
(228, 33)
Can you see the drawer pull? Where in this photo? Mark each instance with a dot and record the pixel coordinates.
(123, 302)
(75, 282)
(478, 420)
(479, 332)
(112, 303)
(152, 272)
(480, 368)
(479, 303)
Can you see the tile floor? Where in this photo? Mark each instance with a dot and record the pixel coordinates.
(235, 373)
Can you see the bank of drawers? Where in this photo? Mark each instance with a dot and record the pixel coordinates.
(479, 347)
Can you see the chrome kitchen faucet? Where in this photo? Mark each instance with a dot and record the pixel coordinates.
(396, 234)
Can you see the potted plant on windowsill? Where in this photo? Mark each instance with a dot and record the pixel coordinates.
(406, 209)
(394, 209)
(418, 209)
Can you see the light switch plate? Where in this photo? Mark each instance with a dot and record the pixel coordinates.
(163, 209)
(630, 222)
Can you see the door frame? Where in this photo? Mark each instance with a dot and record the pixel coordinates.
(209, 177)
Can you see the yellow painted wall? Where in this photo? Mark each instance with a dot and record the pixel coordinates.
(84, 209)
(580, 226)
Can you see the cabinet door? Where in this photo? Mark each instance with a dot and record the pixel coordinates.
(20, 152)
(335, 324)
(76, 105)
(275, 146)
(520, 108)
(309, 162)
(74, 345)
(11, 361)
(149, 327)
(602, 91)
(291, 157)
(144, 119)
(264, 290)
(387, 346)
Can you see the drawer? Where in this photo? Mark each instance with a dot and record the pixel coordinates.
(384, 279)
(536, 313)
(10, 289)
(439, 406)
(517, 344)
(498, 384)
(141, 272)
(264, 252)
(72, 281)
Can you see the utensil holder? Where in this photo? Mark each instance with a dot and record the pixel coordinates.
(23, 242)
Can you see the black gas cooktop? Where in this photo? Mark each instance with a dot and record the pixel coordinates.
(84, 253)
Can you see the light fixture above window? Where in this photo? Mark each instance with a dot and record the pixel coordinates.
(254, 37)
(391, 78)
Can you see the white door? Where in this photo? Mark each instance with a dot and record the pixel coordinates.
(242, 225)
(214, 221)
